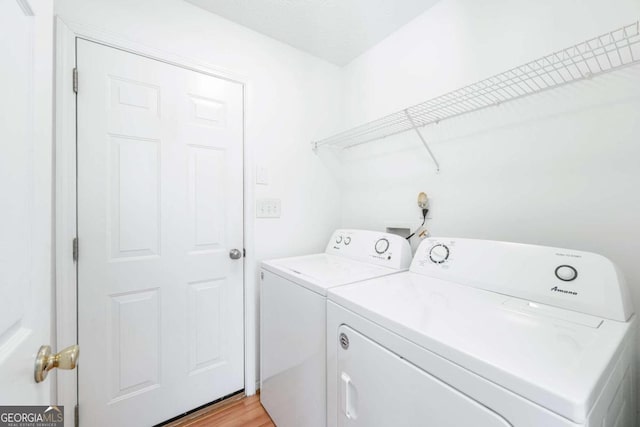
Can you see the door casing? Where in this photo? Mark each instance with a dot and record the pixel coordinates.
(65, 192)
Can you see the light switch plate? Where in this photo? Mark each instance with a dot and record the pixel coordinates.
(268, 208)
(262, 175)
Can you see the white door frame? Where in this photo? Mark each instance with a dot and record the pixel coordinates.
(65, 192)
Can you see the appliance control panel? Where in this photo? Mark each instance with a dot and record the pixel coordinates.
(581, 281)
(385, 249)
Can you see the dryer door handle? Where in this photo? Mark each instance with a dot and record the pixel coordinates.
(349, 397)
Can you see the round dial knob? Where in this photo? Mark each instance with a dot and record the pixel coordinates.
(338, 239)
(566, 273)
(439, 253)
(347, 240)
(382, 245)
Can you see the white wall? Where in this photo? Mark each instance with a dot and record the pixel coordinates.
(558, 169)
(290, 96)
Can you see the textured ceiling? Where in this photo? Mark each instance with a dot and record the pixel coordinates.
(335, 30)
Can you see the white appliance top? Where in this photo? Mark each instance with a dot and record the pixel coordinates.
(350, 256)
(575, 280)
(491, 307)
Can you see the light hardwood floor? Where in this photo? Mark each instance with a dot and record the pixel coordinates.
(233, 412)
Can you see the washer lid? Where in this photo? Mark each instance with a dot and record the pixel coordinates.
(319, 272)
(555, 357)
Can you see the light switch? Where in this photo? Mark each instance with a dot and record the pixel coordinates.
(262, 175)
(268, 208)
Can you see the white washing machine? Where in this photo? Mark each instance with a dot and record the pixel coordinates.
(293, 318)
(484, 334)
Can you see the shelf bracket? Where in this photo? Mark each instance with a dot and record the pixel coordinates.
(424, 142)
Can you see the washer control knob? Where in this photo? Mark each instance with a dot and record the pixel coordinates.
(382, 245)
(347, 240)
(439, 253)
(339, 239)
(566, 273)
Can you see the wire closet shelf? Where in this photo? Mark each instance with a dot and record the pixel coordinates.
(607, 52)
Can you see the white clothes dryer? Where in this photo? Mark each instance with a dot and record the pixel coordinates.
(293, 318)
(484, 334)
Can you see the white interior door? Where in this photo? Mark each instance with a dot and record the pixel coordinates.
(25, 198)
(160, 206)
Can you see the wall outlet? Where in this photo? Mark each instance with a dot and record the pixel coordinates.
(268, 208)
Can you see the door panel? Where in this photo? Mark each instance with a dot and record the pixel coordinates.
(134, 356)
(378, 388)
(25, 202)
(160, 303)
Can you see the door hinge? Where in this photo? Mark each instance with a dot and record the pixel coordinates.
(76, 416)
(75, 249)
(244, 253)
(262, 275)
(75, 80)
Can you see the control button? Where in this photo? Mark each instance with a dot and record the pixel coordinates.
(382, 245)
(338, 239)
(347, 240)
(439, 253)
(566, 273)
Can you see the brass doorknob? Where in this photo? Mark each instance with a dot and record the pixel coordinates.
(45, 361)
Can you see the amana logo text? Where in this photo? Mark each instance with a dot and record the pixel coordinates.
(563, 291)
